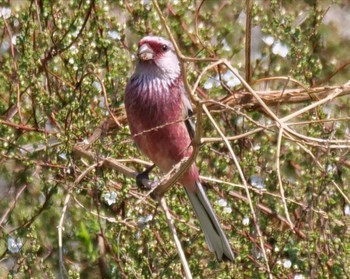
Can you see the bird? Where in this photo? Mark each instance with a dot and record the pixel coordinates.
(159, 115)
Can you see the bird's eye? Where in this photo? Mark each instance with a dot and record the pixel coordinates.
(165, 48)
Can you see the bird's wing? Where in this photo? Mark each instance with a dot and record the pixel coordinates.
(188, 112)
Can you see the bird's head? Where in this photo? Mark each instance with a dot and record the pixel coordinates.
(157, 57)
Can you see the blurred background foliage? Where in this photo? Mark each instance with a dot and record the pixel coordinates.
(56, 59)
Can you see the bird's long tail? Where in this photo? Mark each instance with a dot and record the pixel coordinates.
(214, 235)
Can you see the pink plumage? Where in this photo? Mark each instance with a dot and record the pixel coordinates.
(157, 110)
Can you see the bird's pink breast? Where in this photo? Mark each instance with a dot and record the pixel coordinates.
(155, 115)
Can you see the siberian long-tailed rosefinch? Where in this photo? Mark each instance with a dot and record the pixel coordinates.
(155, 97)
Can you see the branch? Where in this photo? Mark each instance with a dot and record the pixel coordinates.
(245, 100)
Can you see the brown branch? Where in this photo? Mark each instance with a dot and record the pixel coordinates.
(20, 126)
(245, 100)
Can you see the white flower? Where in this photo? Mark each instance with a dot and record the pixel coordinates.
(5, 12)
(142, 221)
(245, 221)
(257, 181)
(257, 147)
(14, 39)
(114, 35)
(331, 168)
(97, 85)
(347, 209)
(280, 49)
(239, 121)
(222, 202)
(110, 197)
(231, 79)
(14, 245)
(268, 40)
(211, 82)
(287, 263)
(73, 49)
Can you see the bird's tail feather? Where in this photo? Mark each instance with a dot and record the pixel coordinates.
(214, 235)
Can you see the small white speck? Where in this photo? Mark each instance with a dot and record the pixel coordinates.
(227, 210)
(228, 76)
(14, 39)
(225, 45)
(148, 218)
(145, 2)
(242, 19)
(5, 12)
(231, 79)
(280, 49)
(102, 103)
(347, 209)
(73, 49)
(5, 46)
(258, 255)
(14, 245)
(257, 147)
(257, 181)
(287, 263)
(142, 221)
(15, 22)
(71, 60)
(63, 156)
(210, 83)
(239, 121)
(331, 168)
(76, 32)
(97, 85)
(114, 35)
(298, 276)
(245, 221)
(138, 234)
(268, 40)
(49, 126)
(222, 202)
(110, 197)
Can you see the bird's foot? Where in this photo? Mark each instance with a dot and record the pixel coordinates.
(143, 181)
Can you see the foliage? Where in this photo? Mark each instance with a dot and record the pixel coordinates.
(56, 60)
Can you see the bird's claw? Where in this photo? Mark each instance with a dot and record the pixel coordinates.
(143, 181)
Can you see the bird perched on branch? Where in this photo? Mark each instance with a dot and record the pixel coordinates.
(158, 111)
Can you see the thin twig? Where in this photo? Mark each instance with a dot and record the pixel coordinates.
(106, 100)
(13, 204)
(179, 249)
(280, 184)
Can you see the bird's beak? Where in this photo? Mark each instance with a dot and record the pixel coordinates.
(145, 52)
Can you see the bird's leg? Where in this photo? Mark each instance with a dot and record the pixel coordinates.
(142, 179)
